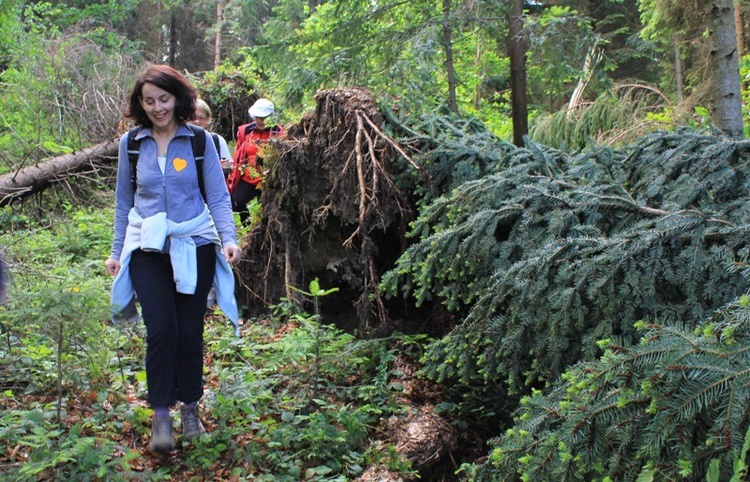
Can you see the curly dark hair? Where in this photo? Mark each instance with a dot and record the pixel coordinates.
(169, 79)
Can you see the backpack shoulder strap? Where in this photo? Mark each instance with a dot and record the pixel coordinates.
(215, 137)
(198, 142)
(247, 130)
(134, 150)
(242, 132)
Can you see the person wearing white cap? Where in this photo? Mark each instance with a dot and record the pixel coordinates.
(245, 180)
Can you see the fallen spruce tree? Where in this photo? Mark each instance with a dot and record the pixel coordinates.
(555, 259)
(340, 193)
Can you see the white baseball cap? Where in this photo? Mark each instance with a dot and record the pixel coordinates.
(261, 108)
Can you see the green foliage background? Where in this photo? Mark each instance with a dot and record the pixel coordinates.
(66, 66)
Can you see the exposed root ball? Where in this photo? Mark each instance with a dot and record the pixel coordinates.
(424, 438)
(330, 211)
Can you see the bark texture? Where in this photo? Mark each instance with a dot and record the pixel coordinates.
(517, 50)
(727, 110)
(26, 181)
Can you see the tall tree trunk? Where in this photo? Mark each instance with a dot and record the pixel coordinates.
(739, 28)
(517, 50)
(480, 70)
(172, 38)
(727, 113)
(677, 67)
(217, 37)
(159, 48)
(448, 46)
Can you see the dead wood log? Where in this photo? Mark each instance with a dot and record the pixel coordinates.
(26, 181)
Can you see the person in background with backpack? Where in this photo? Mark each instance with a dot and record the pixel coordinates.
(246, 178)
(174, 235)
(203, 119)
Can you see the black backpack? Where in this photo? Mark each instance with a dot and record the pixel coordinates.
(198, 142)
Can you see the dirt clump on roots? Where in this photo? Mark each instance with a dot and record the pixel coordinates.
(330, 211)
(421, 436)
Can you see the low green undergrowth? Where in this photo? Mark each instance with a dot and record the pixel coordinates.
(291, 399)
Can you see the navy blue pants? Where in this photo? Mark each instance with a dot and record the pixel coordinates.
(174, 325)
(243, 193)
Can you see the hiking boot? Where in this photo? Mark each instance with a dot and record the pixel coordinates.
(191, 421)
(161, 433)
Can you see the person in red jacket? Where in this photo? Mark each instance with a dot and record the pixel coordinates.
(245, 180)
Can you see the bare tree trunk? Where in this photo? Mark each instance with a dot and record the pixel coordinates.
(29, 180)
(677, 67)
(739, 28)
(727, 113)
(448, 46)
(478, 64)
(172, 39)
(217, 38)
(518, 73)
(159, 49)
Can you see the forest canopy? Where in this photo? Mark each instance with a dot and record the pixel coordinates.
(66, 65)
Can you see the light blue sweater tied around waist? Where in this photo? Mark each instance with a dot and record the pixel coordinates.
(150, 234)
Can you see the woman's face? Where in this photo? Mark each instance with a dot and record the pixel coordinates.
(159, 105)
(201, 119)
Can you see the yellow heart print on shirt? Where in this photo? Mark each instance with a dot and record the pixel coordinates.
(179, 164)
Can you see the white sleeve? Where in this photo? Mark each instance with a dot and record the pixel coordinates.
(224, 149)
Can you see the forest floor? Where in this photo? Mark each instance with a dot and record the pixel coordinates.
(289, 400)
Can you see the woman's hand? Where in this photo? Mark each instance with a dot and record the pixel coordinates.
(232, 253)
(113, 266)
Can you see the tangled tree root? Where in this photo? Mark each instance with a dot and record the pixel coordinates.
(331, 211)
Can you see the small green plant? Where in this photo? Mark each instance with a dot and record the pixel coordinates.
(316, 292)
(64, 315)
(740, 468)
